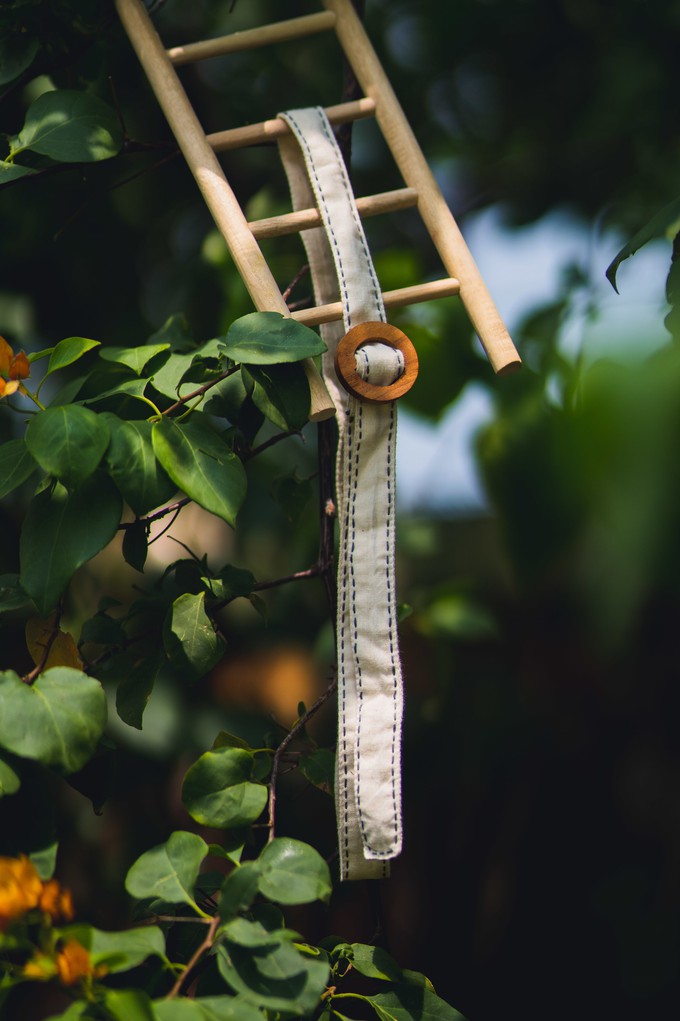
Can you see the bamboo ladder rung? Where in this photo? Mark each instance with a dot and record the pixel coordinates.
(249, 39)
(268, 131)
(392, 299)
(305, 219)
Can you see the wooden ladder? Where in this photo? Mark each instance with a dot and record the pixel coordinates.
(379, 100)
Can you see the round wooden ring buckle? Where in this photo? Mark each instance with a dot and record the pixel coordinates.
(346, 368)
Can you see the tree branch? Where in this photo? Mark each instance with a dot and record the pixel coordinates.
(195, 957)
(278, 754)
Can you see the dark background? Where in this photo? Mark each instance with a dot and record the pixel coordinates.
(541, 873)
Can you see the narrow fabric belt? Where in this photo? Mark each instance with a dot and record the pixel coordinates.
(370, 695)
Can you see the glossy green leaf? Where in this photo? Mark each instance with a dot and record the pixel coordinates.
(68, 351)
(206, 1008)
(58, 720)
(276, 978)
(10, 781)
(281, 392)
(167, 378)
(414, 1003)
(119, 951)
(374, 962)
(239, 890)
(128, 1005)
(202, 465)
(127, 388)
(16, 465)
(17, 52)
(62, 530)
(12, 172)
(169, 871)
(292, 872)
(134, 357)
(190, 640)
(133, 466)
(71, 127)
(68, 442)
(267, 338)
(665, 223)
(217, 790)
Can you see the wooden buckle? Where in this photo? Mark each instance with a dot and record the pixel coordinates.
(346, 368)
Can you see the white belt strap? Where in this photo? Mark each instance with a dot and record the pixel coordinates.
(368, 781)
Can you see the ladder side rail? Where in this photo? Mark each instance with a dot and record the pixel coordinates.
(432, 206)
(211, 180)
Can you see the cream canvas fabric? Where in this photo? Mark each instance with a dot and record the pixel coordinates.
(368, 781)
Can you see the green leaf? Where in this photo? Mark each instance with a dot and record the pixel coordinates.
(119, 951)
(16, 465)
(128, 1005)
(292, 872)
(17, 52)
(63, 530)
(374, 962)
(665, 223)
(134, 357)
(245, 933)
(10, 781)
(167, 378)
(276, 978)
(206, 1008)
(190, 641)
(71, 127)
(267, 338)
(281, 392)
(12, 172)
(68, 351)
(58, 720)
(134, 691)
(318, 766)
(136, 545)
(128, 388)
(217, 790)
(68, 442)
(169, 871)
(133, 466)
(414, 1003)
(231, 583)
(239, 890)
(202, 465)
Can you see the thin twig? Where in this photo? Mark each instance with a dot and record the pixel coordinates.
(290, 736)
(33, 675)
(195, 957)
(295, 281)
(246, 456)
(311, 572)
(202, 389)
(164, 530)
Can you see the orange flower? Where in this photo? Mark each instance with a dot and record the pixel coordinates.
(56, 902)
(20, 889)
(73, 963)
(13, 368)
